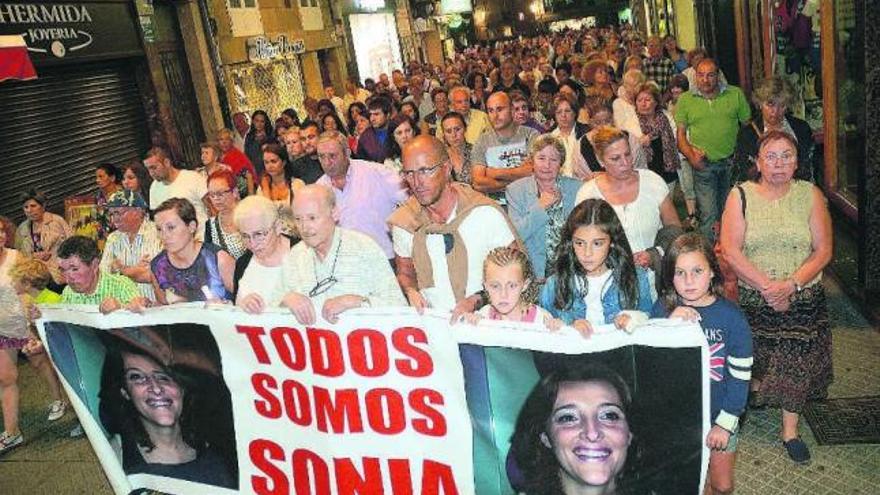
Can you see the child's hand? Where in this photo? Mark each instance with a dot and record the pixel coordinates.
(583, 327)
(718, 438)
(685, 313)
(552, 324)
(471, 318)
(630, 319)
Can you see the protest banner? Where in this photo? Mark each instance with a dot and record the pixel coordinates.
(188, 399)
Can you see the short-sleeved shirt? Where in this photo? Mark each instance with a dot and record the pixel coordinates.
(119, 287)
(145, 246)
(640, 218)
(477, 124)
(371, 194)
(713, 124)
(262, 280)
(354, 260)
(189, 185)
(495, 151)
(484, 229)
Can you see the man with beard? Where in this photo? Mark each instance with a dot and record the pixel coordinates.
(307, 167)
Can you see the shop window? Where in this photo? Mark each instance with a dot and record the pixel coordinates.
(244, 4)
(244, 16)
(310, 13)
(849, 70)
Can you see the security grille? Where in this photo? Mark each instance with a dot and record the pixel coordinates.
(272, 87)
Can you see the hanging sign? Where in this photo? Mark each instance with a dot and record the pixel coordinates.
(262, 48)
(62, 31)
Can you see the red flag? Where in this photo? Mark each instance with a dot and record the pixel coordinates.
(14, 60)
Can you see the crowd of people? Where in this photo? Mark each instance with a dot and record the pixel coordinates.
(532, 180)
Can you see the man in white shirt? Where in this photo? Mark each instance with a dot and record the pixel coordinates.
(333, 268)
(171, 182)
(443, 233)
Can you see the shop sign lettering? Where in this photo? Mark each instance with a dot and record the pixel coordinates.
(50, 28)
(262, 48)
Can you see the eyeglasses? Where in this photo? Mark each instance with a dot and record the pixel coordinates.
(219, 194)
(257, 237)
(322, 286)
(773, 158)
(422, 173)
(325, 284)
(138, 378)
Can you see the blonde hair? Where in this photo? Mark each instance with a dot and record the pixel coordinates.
(545, 140)
(604, 137)
(506, 255)
(30, 272)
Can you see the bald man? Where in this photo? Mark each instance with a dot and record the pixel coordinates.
(499, 155)
(443, 232)
(326, 270)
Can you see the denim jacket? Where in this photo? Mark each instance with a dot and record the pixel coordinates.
(610, 300)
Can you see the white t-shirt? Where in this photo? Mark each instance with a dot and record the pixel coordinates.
(640, 218)
(484, 229)
(189, 185)
(264, 281)
(597, 287)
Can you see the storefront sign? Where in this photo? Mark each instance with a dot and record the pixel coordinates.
(261, 48)
(55, 31)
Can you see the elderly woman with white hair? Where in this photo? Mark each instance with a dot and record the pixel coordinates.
(257, 273)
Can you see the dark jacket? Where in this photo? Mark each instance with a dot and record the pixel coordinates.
(746, 154)
(370, 147)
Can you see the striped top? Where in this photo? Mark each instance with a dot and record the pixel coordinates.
(145, 246)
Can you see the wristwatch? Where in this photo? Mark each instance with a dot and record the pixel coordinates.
(797, 286)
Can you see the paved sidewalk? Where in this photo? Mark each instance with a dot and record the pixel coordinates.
(52, 463)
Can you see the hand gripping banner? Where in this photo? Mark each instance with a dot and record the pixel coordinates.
(193, 400)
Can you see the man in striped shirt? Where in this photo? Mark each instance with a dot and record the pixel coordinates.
(134, 243)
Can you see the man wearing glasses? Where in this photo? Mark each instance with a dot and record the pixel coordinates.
(366, 193)
(443, 233)
(333, 269)
(134, 243)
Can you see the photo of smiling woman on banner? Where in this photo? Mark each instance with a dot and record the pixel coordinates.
(573, 433)
(159, 408)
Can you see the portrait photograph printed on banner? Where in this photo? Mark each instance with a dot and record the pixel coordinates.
(157, 394)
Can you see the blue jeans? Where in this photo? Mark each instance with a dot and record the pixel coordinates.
(711, 186)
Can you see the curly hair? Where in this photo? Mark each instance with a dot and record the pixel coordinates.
(30, 273)
(507, 255)
(8, 229)
(600, 214)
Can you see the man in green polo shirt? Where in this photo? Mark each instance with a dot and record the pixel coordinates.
(708, 118)
(79, 261)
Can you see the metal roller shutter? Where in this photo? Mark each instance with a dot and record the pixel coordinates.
(55, 129)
